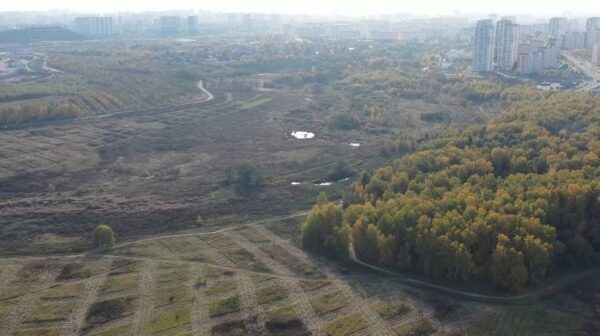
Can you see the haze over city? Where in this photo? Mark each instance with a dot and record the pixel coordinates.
(533, 8)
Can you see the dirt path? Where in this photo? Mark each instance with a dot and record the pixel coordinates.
(90, 294)
(546, 290)
(199, 233)
(249, 303)
(145, 308)
(201, 324)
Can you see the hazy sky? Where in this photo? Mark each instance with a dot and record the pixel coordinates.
(432, 7)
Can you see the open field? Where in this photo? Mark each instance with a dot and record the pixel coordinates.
(150, 151)
(149, 288)
(130, 292)
(58, 182)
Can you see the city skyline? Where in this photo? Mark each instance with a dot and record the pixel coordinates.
(425, 7)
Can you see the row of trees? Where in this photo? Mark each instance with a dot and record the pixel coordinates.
(504, 203)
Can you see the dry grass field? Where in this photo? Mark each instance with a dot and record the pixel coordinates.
(151, 287)
(60, 180)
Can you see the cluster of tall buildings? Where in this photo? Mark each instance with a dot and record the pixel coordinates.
(506, 46)
(567, 32)
(99, 26)
(96, 26)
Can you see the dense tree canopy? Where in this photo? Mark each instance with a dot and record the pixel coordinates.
(503, 203)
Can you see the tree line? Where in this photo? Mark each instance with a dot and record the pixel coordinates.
(505, 203)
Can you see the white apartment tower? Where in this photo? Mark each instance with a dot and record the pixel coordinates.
(483, 51)
(507, 39)
(592, 29)
(558, 26)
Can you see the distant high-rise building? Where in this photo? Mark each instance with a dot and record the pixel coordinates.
(483, 49)
(170, 25)
(95, 26)
(507, 38)
(592, 29)
(558, 26)
(596, 55)
(573, 40)
(536, 54)
(192, 24)
(572, 25)
(550, 54)
(530, 63)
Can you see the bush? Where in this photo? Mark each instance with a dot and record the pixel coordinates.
(103, 237)
(340, 171)
(344, 121)
(249, 180)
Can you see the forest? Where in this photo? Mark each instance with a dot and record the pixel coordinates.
(506, 203)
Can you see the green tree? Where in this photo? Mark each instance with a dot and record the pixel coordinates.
(324, 231)
(341, 170)
(103, 237)
(249, 179)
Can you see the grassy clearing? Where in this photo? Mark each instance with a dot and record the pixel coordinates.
(260, 278)
(232, 328)
(392, 310)
(74, 271)
(310, 285)
(284, 318)
(119, 283)
(255, 103)
(420, 327)
(145, 248)
(58, 311)
(124, 266)
(174, 244)
(213, 272)
(12, 292)
(329, 302)
(37, 332)
(172, 295)
(170, 319)
(219, 241)
(31, 272)
(225, 306)
(122, 330)
(222, 286)
(197, 256)
(298, 156)
(292, 262)
(244, 259)
(53, 243)
(346, 325)
(271, 294)
(535, 320)
(66, 291)
(253, 235)
(106, 311)
(4, 310)
(173, 274)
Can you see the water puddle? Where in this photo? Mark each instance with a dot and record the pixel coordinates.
(302, 135)
(354, 144)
